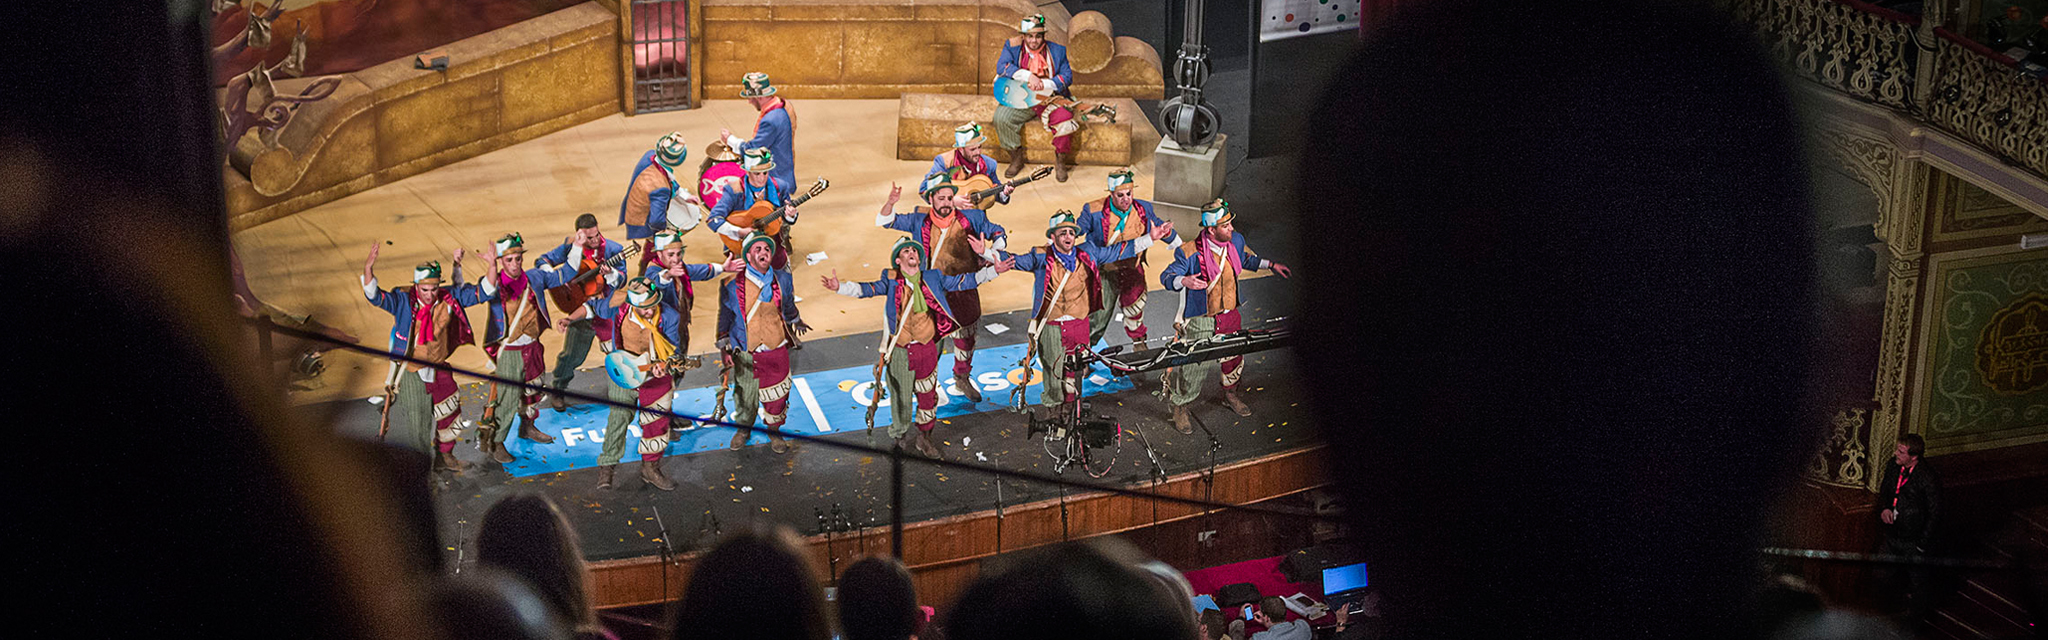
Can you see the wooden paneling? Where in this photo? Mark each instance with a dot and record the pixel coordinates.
(944, 554)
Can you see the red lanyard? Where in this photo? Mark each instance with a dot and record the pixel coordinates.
(1904, 473)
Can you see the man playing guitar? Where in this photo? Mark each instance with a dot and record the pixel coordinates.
(758, 186)
(591, 251)
(966, 159)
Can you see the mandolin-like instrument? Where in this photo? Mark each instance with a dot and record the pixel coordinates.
(630, 371)
(766, 218)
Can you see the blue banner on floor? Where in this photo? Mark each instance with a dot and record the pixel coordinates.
(820, 403)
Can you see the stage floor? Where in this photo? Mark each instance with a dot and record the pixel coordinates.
(756, 484)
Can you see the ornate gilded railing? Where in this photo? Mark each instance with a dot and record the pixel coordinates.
(1861, 51)
(1980, 97)
(1843, 458)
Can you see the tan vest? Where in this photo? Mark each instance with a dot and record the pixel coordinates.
(766, 328)
(954, 257)
(633, 338)
(529, 324)
(1222, 292)
(443, 344)
(649, 181)
(918, 328)
(1073, 300)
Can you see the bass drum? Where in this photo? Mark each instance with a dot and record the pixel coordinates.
(624, 369)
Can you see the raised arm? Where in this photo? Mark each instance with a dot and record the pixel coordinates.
(998, 237)
(887, 216)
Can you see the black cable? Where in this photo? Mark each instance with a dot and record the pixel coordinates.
(818, 440)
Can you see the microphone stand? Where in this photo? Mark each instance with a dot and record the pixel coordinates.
(831, 557)
(666, 550)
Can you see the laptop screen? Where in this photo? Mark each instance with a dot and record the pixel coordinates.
(1342, 579)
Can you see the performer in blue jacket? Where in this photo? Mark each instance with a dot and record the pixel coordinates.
(966, 159)
(757, 320)
(914, 352)
(424, 411)
(586, 250)
(760, 185)
(947, 229)
(1042, 67)
(1207, 275)
(655, 201)
(1119, 217)
(518, 315)
(774, 128)
(1069, 288)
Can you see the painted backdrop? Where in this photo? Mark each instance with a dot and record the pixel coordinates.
(349, 35)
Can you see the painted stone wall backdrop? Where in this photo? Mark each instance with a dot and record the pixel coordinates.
(1987, 351)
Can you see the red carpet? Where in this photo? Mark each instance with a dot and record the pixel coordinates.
(1263, 573)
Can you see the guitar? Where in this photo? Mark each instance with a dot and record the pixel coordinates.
(578, 290)
(1013, 94)
(630, 371)
(982, 191)
(768, 219)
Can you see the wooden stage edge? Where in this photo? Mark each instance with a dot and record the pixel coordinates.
(942, 553)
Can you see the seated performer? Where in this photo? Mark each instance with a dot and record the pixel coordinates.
(653, 196)
(423, 405)
(914, 356)
(774, 129)
(756, 320)
(720, 172)
(512, 340)
(579, 327)
(966, 159)
(1041, 66)
(661, 310)
(949, 228)
(1207, 272)
(1069, 289)
(1117, 218)
(759, 186)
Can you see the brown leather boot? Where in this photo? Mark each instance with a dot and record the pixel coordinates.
(1060, 163)
(739, 439)
(1012, 157)
(650, 471)
(450, 463)
(1230, 400)
(777, 443)
(558, 403)
(530, 432)
(499, 454)
(604, 477)
(965, 383)
(924, 444)
(1180, 420)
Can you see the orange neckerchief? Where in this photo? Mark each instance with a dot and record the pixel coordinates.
(764, 113)
(1040, 63)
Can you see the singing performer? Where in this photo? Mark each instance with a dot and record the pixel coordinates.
(518, 315)
(1207, 273)
(948, 228)
(654, 200)
(920, 317)
(757, 318)
(1069, 288)
(424, 406)
(774, 128)
(1121, 217)
(760, 185)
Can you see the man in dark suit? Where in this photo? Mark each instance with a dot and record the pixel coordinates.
(1909, 506)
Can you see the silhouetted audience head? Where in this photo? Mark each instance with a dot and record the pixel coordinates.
(877, 601)
(1077, 590)
(525, 535)
(1214, 625)
(488, 604)
(1568, 371)
(757, 584)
